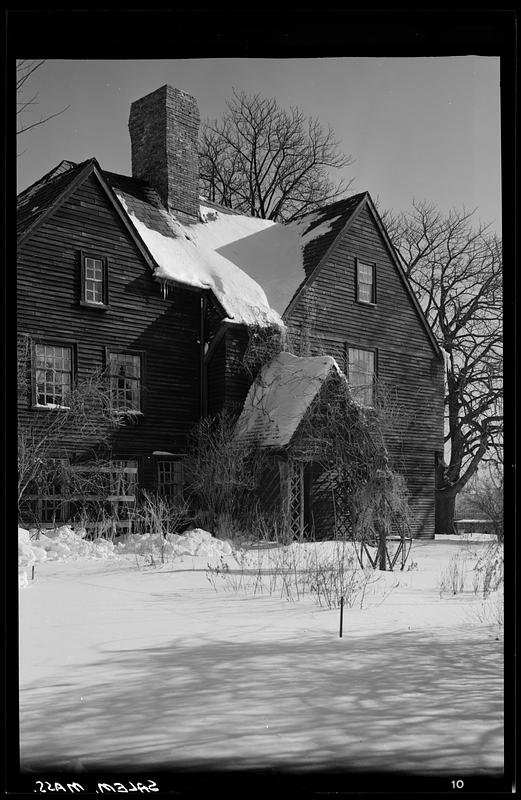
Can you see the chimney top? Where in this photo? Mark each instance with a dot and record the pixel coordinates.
(164, 127)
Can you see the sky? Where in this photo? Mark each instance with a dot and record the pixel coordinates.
(421, 127)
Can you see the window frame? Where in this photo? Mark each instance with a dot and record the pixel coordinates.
(350, 346)
(105, 281)
(52, 342)
(173, 459)
(142, 379)
(52, 502)
(373, 302)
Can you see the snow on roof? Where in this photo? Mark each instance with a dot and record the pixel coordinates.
(182, 259)
(280, 397)
(271, 253)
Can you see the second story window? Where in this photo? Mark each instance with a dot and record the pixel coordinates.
(94, 281)
(126, 373)
(361, 374)
(365, 282)
(53, 372)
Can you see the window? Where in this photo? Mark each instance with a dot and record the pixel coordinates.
(121, 482)
(46, 498)
(170, 479)
(365, 282)
(105, 495)
(361, 374)
(125, 370)
(52, 374)
(94, 283)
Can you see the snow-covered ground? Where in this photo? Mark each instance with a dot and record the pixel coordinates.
(125, 663)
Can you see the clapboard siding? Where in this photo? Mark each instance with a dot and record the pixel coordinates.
(138, 318)
(326, 318)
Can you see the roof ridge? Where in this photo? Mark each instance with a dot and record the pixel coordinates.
(49, 177)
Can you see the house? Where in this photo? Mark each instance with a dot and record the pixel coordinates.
(140, 277)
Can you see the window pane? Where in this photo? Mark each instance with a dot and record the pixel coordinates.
(365, 282)
(365, 273)
(53, 374)
(125, 371)
(170, 478)
(365, 293)
(93, 280)
(361, 374)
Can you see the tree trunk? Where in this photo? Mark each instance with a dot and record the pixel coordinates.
(445, 511)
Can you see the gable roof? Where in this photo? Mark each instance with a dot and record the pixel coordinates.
(365, 201)
(40, 197)
(278, 256)
(280, 396)
(166, 245)
(255, 268)
(183, 260)
(286, 258)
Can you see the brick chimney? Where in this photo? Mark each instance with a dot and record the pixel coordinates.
(164, 127)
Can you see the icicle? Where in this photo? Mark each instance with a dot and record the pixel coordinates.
(164, 289)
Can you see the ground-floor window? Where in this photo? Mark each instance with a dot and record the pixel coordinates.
(47, 497)
(105, 494)
(170, 479)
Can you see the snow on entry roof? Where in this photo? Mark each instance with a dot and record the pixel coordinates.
(182, 258)
(280, 397)
(271, 253)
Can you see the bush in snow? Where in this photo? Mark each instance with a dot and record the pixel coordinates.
(223, 475)
(489, 570)
(452, 579)
(324, 571)
(158, 517)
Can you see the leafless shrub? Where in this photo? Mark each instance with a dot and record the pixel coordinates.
(264, 343)
(452, 579)
(88, 415)
(222, 475)
(489, 570)
(296, 571)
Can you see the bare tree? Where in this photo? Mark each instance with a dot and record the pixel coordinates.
(268, 162)
(26, 103)
(484, 494)
(455, 269)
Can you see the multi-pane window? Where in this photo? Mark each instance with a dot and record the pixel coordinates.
(105, 494)
(170, 478)
(361, 374)
(94, 281)
(125, 380)
(46, 498)
(53, 374)
(365, 277)
(122, 477)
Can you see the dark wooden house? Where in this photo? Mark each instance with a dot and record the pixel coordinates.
(140, 278)
(338, 284)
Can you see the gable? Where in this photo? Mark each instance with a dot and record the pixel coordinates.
(328, 302)
(85, 221)
(40, 198)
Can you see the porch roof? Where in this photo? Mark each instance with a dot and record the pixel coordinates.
(280, 397)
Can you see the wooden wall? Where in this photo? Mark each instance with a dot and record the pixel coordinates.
(48, 284)
(328, 319)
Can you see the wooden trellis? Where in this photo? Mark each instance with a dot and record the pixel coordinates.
(330, 503)
(296, 499)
